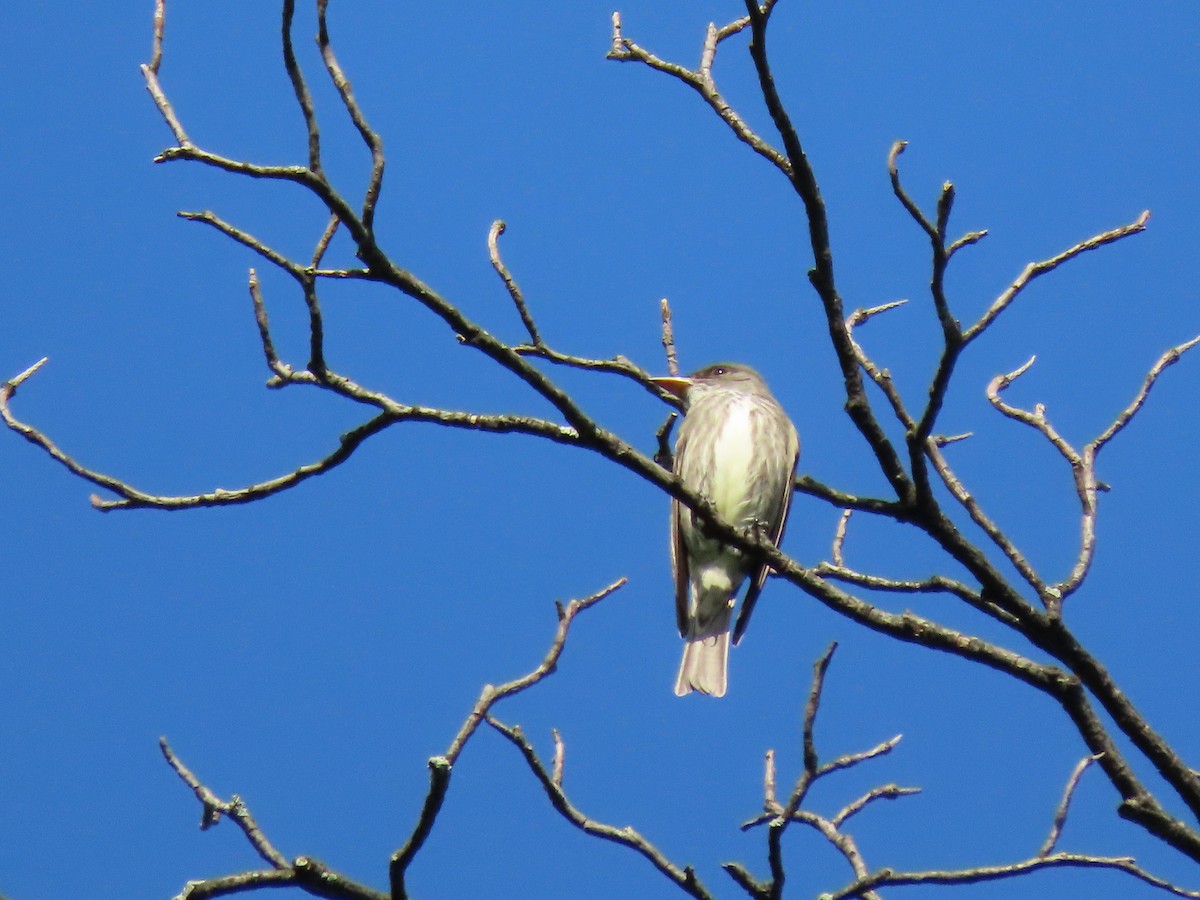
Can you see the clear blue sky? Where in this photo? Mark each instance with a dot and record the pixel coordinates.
(312, 651)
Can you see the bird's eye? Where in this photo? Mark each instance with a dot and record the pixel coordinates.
(720, 370)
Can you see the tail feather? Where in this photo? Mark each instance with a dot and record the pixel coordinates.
(704, 665)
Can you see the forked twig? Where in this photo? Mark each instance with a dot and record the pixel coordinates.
(551, 781)
(441, 767)
(304, 872)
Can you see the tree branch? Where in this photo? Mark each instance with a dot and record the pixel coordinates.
(683, 878)
(441, 767)
(305, 872)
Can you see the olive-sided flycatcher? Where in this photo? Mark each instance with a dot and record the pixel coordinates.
(737, 448)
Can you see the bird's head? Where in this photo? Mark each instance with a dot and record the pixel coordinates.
(723, 376)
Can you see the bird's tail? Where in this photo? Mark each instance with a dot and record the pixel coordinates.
(704, 666)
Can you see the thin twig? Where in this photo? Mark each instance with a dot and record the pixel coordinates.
(981, 518)
(770, 793)
(10, 387)
(820, 667)
(212, 220)
(281, 371)
(806, 484)
(322, 245)
(983, 874)
(883, 792)
(300, 88)
(663, 455)
(881, 377)
(369, 136)
(150, 73)
(934, 584)
(213, 807)
(625, 50)
(1037, 269)
(971, 237)
(1165, 361)
(1060, 813)
(556, 773)
(441, 767)
(684, 878)
(160, 24)
(668, 337)
(510, 284)
(839, 538)
(902, 195)
(132, 498)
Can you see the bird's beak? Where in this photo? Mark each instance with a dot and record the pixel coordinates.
(673, 384)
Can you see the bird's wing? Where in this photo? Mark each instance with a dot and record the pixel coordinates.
(760, 575)
(679, 567)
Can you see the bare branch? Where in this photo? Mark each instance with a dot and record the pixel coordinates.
(369, 136)
(1165, 361)
(214, 807)
(839, 538)
(804, 183)
(971, 237)
(492, 695)
(902, 195)
(282, 372)
(322, 245)
(663, 455)
(701, 81)
(848, 760)
(1081, 681)
(132, 498)
(10, 387)
(150, 73)
(883, 792)
(510, 284)
(862, 316)
(759, 890)
(1083, 466)
(300, 87)
(1060, 814)
(211, 219)
(881, 377)
(806, 484)
(1035, 419)
(556, 773)
(305, 872)
(684, 878)
(982, 874)
(1037, 269)
(934, 584)
(236, 884)
(980, 518)
(440, 767)
(941, 440)
(1082, 462)
(779, 817)
(160, 22)
(820, 667)
(770, 795)
(917, 435)
(668, 337)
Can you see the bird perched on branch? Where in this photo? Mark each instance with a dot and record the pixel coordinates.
(738, 449)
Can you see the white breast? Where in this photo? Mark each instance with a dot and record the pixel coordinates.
(732, 455)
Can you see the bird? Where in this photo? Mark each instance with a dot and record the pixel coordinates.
(737, 448)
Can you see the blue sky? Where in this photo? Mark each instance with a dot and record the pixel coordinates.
(312, 651)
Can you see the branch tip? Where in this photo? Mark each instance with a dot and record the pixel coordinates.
(13, 383)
